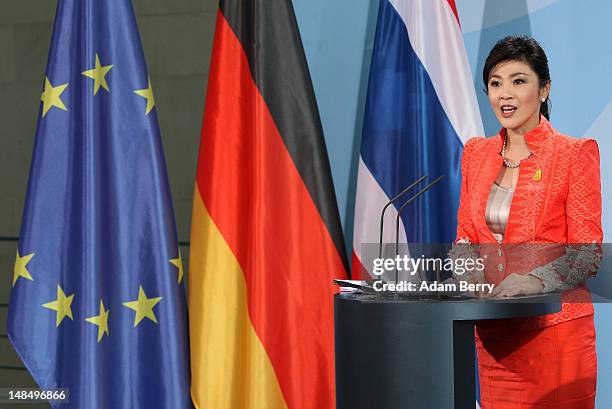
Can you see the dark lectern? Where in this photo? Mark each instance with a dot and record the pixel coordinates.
(411, 353)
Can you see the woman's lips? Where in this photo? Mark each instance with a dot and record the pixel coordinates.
(507, 110)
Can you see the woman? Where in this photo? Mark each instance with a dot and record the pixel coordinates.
(531, 184)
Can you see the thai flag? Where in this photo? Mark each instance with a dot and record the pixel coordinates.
(420, 110)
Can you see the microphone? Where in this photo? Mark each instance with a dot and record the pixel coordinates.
(399, 212)
(389, 203)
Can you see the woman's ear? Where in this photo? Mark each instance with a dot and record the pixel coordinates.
(545, 91)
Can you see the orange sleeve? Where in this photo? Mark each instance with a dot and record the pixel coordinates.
(583, 216)
(465, 226)
(583, 205)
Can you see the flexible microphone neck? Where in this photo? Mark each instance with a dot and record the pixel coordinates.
(389, 203)
(399, 212)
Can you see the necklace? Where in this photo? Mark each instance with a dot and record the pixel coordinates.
(503, 154)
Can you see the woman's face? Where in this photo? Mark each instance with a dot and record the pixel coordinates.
(515, 95)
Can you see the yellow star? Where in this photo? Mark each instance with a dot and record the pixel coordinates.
(148, 94)
(51, 96)
(98, 74)
(61, 306)
(101, 321)
(143, 307)
(21, 269)
(178, 263)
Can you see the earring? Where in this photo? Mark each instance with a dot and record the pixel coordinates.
(543, 99)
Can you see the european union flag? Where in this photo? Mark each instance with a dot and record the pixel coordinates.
(97, 304)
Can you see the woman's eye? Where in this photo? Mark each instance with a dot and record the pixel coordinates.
(494, 83)
(519, 81)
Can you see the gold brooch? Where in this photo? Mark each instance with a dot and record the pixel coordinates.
(538, 175)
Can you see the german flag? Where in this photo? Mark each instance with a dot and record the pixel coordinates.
(266, 239)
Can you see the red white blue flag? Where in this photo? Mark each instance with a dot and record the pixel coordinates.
(421, 108)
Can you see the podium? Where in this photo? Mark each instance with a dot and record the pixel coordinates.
(411, 353)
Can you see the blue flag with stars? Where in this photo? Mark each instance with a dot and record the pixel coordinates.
(97, 302)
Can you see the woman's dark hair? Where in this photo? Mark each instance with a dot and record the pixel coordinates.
(526, 50)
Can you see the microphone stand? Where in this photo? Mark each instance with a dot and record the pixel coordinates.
(389, 203)
(397, 220)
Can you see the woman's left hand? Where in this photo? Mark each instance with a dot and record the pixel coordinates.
(516, 284)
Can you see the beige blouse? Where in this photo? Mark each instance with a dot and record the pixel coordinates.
(498, 209)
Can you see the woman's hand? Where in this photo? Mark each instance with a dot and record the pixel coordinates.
(516, 284)
(478, 278)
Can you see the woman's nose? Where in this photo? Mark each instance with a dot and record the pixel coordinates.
(506, 92)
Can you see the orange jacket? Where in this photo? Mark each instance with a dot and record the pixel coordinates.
(557, 200)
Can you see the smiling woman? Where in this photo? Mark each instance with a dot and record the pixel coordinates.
(531, 184)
